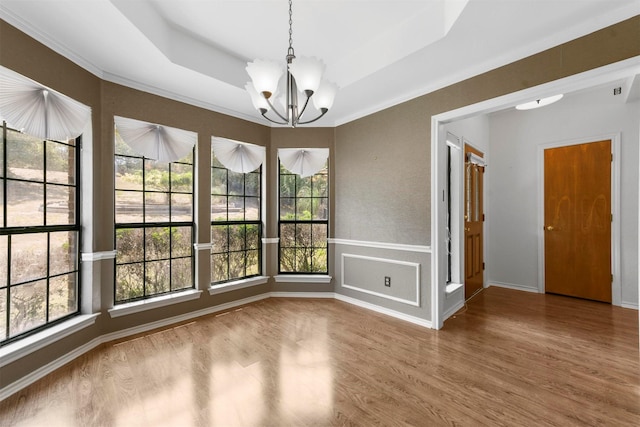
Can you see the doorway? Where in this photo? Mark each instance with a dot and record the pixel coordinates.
(473, 221)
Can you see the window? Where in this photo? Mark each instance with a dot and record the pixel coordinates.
(39, 233)
(303, 223)
(153, 225)
(236, 223)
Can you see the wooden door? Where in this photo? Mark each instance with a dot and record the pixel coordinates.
(577, 215)
(473, 221)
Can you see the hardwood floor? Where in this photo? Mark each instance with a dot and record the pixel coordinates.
(511, 358)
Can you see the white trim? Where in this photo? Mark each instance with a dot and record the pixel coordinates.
(202, 246)
(513, 286)
(415, 303)
(616, 287)
(382, 245)
(590, 78)
(12, 352)
(633, 306)
(452, 310)
(302, 278)
(452, 288)
(398, 315)
(238, 284)
(97, 256)
(302, 295)
(156, 302)
(270, 240)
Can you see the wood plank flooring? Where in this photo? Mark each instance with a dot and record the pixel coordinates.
(509, 359)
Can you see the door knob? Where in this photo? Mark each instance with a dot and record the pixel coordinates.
(549, 228)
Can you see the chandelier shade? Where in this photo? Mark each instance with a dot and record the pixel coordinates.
(238, 156)
(304, 79)
(38, 110)
(157, 142)
(303, 161)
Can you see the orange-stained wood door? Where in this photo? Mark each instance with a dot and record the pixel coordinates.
(473, 223)
(577, 220)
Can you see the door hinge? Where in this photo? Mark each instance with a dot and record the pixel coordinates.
(483, 266)
(483, 217)
(611, 217)
(612, 278)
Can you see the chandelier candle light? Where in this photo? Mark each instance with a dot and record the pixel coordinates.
(303, 74)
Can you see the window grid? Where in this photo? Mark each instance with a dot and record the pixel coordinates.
(231, 261)
(25, 309)
(303, 223)
(154, 241)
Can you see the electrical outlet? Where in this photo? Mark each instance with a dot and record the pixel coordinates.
(387, 281)
(617, 90)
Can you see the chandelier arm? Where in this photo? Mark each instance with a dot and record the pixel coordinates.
(275, 111)
(263, 111)
(304, 107)
(323, 112)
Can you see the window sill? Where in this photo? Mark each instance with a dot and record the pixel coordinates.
(452, 288)
(150, 304)
(238, 284)
(21, 348)
(306, 278)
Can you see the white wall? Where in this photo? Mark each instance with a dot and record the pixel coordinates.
(513, 181)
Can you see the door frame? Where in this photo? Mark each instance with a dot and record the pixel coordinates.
(616, 286)
(583, 80)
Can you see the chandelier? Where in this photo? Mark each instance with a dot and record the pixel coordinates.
(303, 77)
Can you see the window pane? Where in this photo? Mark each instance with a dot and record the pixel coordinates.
(3, 313)
(287, 235)
(62, 252)
(303, 260)
(27, 307)
(236, 208)
(319, 235)
(303, 209)
(252, 209)
(181, 205)
(157, 277)
(62, 296)
(61, 205)
(156, 207)
(1, 167)
(25, 157)
(24, 204)
(287, 260)
(219, 238)
(319, 261)
(253, 263)
(129, 207)
(303, 235)
(303, 186)
(181, 273)
(252, 184)
(253, 236)
(129, 245)
(319, 209)
(287, 206)
(236, 265)
(128, 173)
(236, 237)
(156, 176)
(220, 267)
(28, 257)
(129, 281)
(181, 242)
(236, 183)
(3, 261)
(1, 202)
(60, 163)
(218, 181)
(157, 243)
(181, 177)
(320, 188)
(218, 208)
(287, 185)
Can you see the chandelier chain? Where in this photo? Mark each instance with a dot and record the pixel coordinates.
(290, 26)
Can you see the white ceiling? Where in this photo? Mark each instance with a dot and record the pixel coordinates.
(379, 52)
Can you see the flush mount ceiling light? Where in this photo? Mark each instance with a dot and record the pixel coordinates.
(539, 103)
(303, 76)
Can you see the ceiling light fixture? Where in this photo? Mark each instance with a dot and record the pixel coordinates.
(539, 103)
(303, 76)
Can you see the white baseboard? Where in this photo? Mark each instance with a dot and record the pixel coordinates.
(513, 286)
(301, 294)
(452, 310)
(387, 311)
(631, 305)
